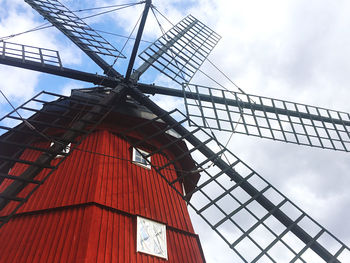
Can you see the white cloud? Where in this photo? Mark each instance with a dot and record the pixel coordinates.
(292, 50)
(17, 17)
(18, 83)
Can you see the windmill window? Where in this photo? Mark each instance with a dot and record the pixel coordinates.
(64, 151)
(139, 159)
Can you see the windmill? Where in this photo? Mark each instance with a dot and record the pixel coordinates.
(210, 108)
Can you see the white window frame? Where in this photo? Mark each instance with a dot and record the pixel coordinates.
(137, 158)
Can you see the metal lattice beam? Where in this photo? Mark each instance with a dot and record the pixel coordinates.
(55, 115)
(268, 118)
(58, 70)
(181, 51)
(232, 198)
(238, 203)
(232, 111)
(87, 39)
(27, 53)
(138, 39)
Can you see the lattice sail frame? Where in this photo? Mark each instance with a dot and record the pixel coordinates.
(267, 118)
(30, 53)
(215, 179)
(252, 231)
(182, 50)
(86, 38)
(26, 121)
(56, 12)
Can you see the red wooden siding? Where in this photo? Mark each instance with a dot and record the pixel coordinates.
(86, 234)
(86, 210)
(108, 178)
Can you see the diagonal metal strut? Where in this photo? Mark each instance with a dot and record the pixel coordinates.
(154, 89)
(138, 39)
(89, 41)
(245, 185)
(148, 63)
(115, 97)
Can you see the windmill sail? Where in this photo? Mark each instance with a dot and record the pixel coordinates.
(48, 61)
(268, 118)
(256, 220)
(24, 53)
(87, 39)
(181, 51)
(75, 117)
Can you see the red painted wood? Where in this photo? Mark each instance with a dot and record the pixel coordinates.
(86, 234)
(86, 211)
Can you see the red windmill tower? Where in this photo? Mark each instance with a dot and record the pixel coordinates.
(104, 202)
(106, 175)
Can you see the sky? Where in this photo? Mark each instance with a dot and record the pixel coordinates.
(292, 50)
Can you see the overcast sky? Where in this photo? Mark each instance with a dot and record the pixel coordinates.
(294, 50)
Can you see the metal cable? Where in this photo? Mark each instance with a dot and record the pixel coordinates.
(47, 24)
(212, 79)
(122, 36)
(211, 131)
(104, 7)
(172, 53)
(212, 63)
(25, 121)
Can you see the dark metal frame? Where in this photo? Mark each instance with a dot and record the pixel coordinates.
(234, 175)
(95, 113)
(215, 169)
(27, 53)
(138, 39)
(268, 118)
(87, 39)
(181, 51)
(334, 125)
